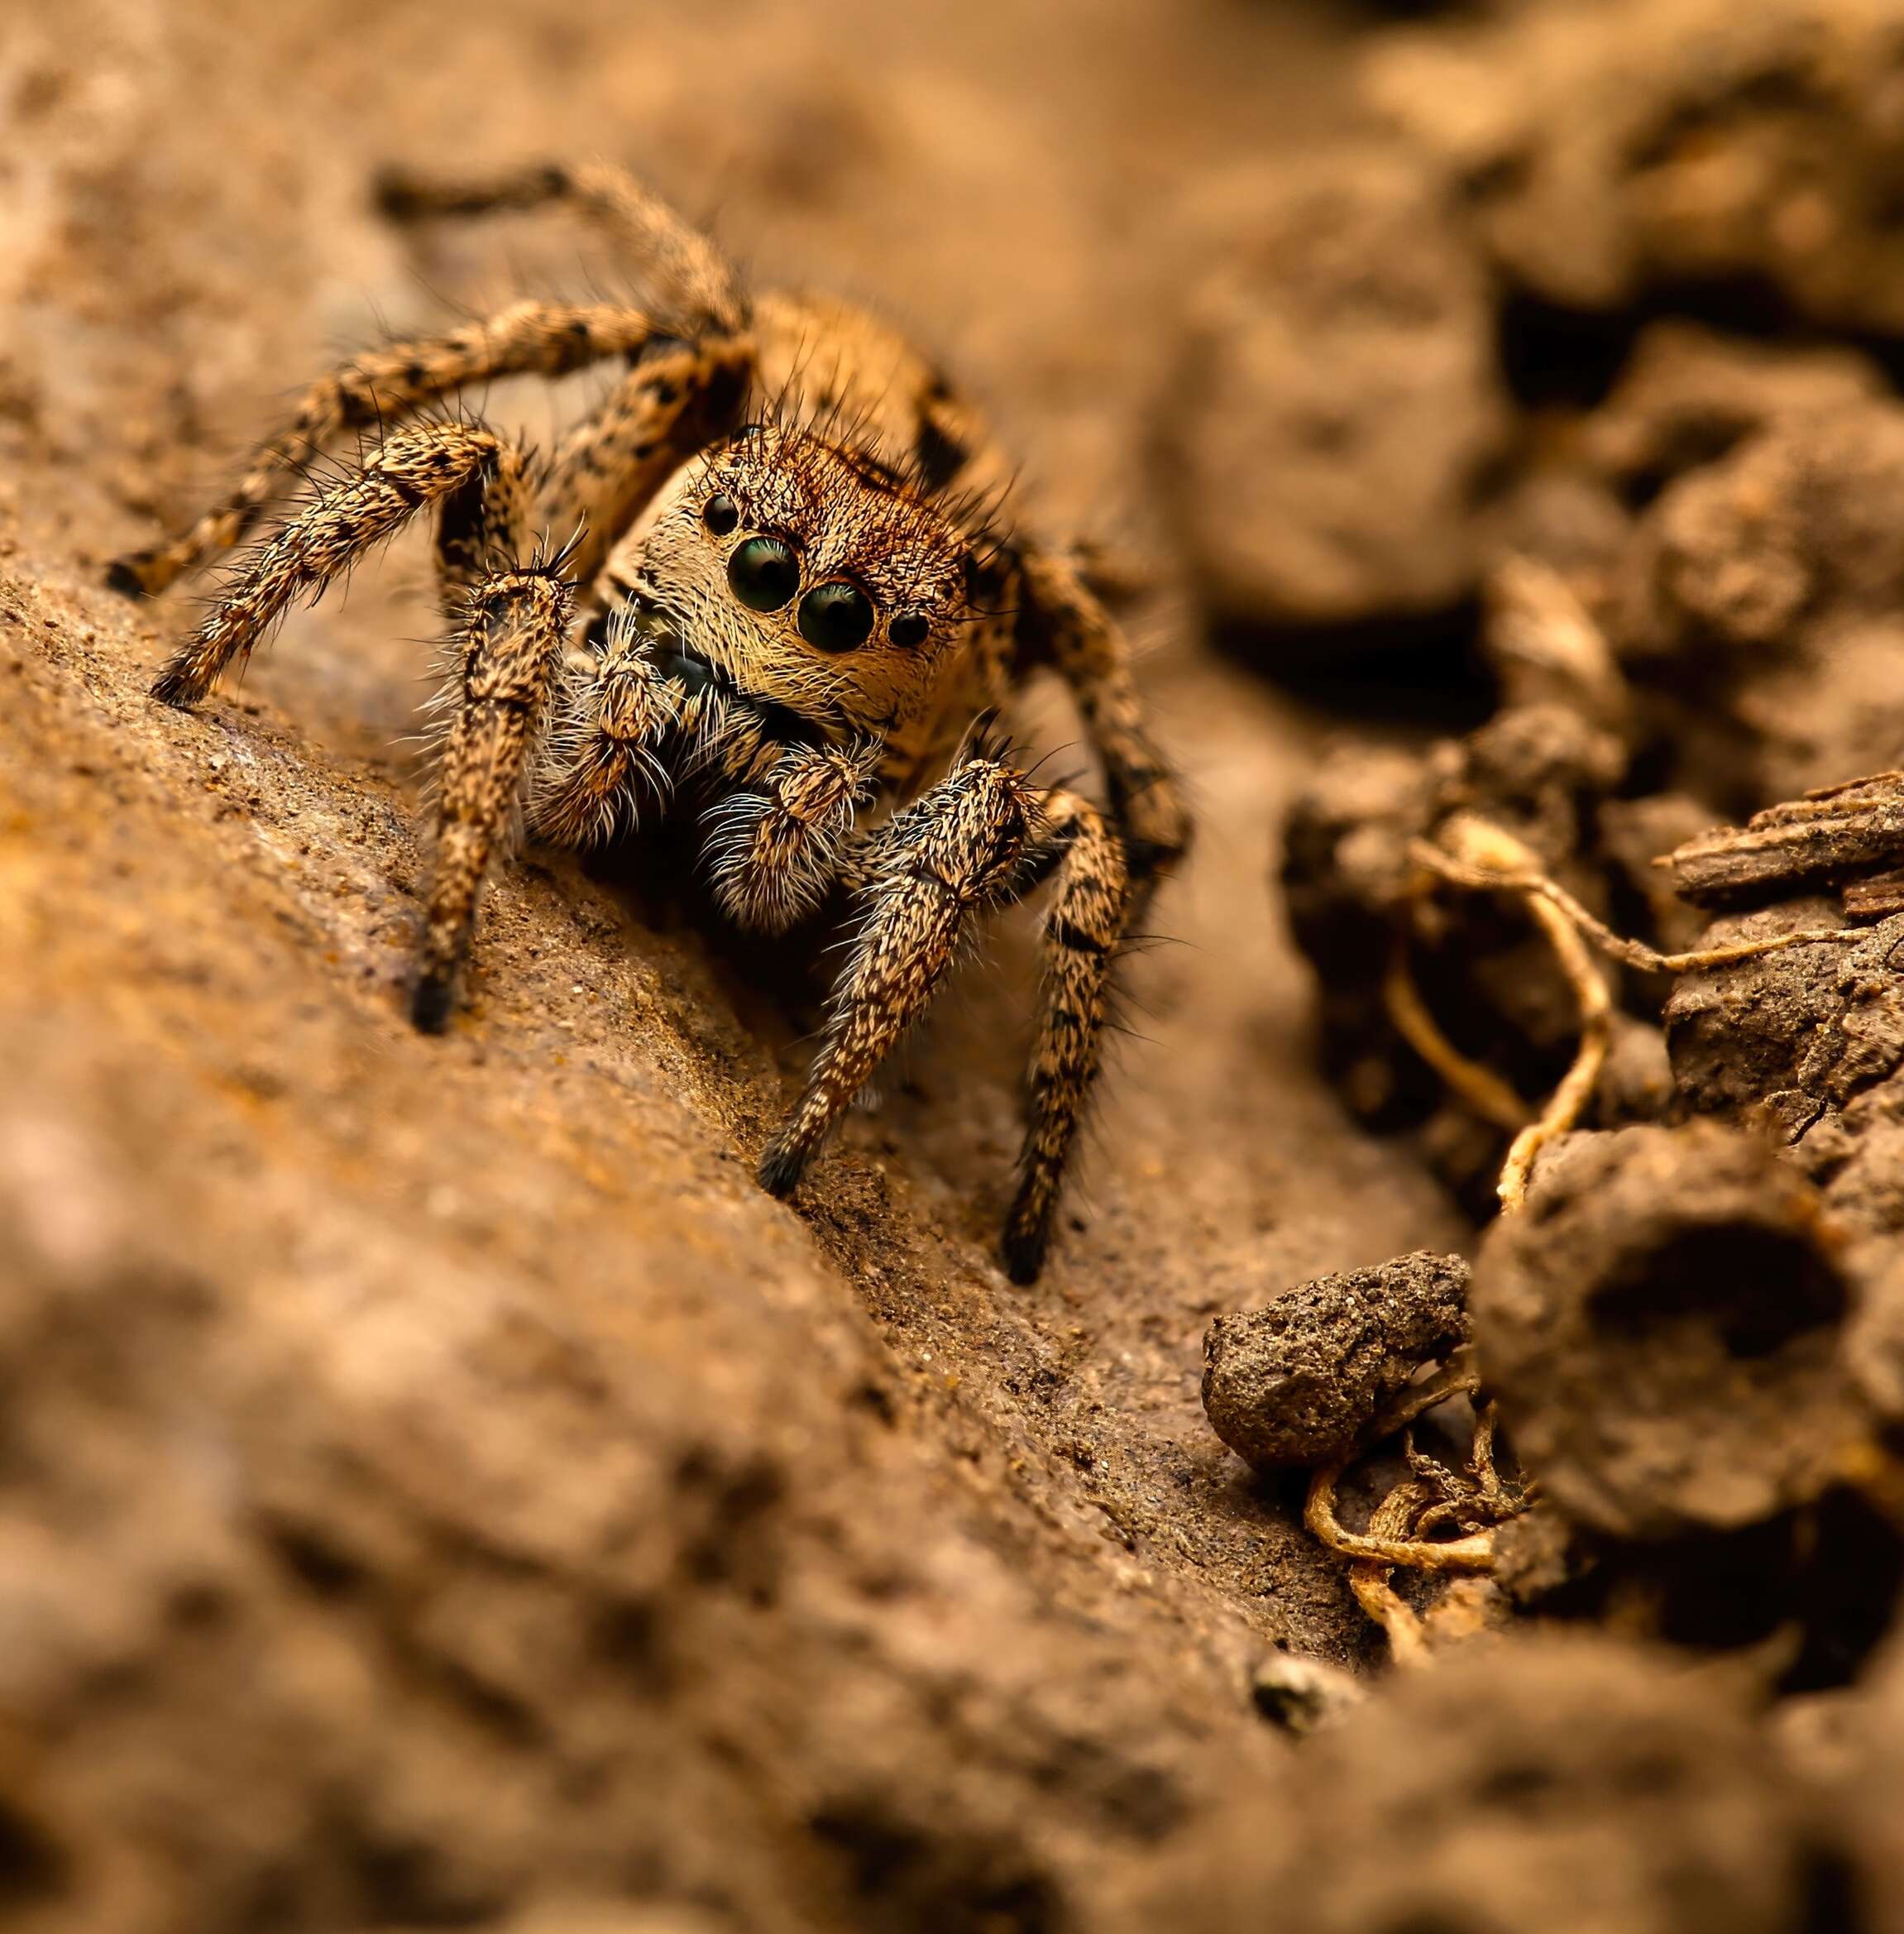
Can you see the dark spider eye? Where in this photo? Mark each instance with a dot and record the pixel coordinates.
(836, 617)
(764, 573)
(907, 631)
(720, 514)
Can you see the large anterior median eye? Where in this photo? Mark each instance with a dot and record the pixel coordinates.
(764, 573)
(836, 617)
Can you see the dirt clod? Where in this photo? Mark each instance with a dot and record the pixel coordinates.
(1295, 1383)
(1663, 1327)
(1346, 333)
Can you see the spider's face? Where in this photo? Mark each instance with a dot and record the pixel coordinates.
(804, 577)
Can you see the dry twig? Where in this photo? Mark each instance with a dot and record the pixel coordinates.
(1474, 853)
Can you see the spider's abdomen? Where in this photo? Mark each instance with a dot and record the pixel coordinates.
(841, 370)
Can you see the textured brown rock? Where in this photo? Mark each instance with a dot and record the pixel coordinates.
(1346, 336)
(1799, 1033)
(1687, 395)
(1758, 608)
(1663, 1326)
(1614, 150)
(1833, 837)
(1295, 1383)
(1562, 1785)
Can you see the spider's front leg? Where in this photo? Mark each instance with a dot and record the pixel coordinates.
(978, 839)
(509, 616)
(953, 854)
(1090, 912)
(506, 651)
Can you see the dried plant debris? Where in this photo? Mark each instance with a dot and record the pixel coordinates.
(1457, 904)
(1297, 1383)
(1613, 152)
(1346, 333)
(1549, 1784)
(1442, 1009)
(1663, 1328)
(1849, 835)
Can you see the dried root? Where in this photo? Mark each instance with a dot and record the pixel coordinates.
(1480, 856)
(1430, 1500)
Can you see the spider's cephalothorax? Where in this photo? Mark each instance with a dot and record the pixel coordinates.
(783, 620)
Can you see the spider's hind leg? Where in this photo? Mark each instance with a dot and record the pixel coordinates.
(1064, 624)
(1087, 920)
(387, 387)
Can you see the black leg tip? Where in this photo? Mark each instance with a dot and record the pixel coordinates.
(780, 1168)
(125, 576)
(1023, 1265)
(1023, 1253)
(171, 688)
(430, 1005)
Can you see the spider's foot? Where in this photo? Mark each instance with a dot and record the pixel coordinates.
(1027, 1236)
(430, 1003)
(180, 686)
(122, 576)
(140, 574)
(781, 1164)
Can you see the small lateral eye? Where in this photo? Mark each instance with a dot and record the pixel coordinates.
(720, 513)
(836, 617)
(908, 630)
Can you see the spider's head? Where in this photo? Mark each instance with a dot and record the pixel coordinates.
(807, 576)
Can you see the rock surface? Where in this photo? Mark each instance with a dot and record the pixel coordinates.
(1559, 1784)
(437, 1482)
(1619, 148)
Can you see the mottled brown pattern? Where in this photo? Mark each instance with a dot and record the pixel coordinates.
(607, 667)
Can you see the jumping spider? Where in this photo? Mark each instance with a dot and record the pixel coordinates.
(786, 619)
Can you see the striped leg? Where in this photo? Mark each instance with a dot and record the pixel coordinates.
(952, 855)
(691, 276)
(462, 466)
(506, 649)
(510, 623)
(384, 388)
(1063, 624)
(976, 841)
(676, 400)
(1087, 916)
(686, 390)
